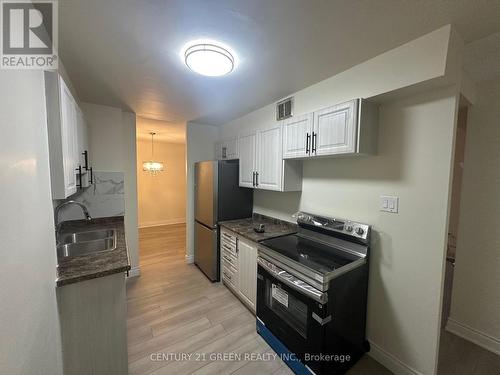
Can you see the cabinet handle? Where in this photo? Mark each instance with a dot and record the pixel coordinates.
(79, 178)
(256, 178)
(86, 155)
(91, 176)
(253, 178)
(314, 142)
(237, 246)
(308, 138)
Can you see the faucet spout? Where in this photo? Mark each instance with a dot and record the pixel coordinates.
(57, 224)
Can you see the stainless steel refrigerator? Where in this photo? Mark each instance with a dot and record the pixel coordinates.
(218, 197)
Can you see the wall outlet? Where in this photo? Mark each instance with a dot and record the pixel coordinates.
(389, 204)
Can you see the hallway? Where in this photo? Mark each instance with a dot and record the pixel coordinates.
(174, 308)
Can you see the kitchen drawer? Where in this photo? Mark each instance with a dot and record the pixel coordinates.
(230, 260)
(229, 277)
(229, 250)
(228, 237)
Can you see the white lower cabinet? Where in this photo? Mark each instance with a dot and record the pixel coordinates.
(247, 272)
(93, 322)
(229, 259)
(239, 266)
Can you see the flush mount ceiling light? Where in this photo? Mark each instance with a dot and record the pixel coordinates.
(151, 166)
(209, 58)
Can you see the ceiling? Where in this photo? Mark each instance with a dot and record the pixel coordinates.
(125, 53)
(171, 132)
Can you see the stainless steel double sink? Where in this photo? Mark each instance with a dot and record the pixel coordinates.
(84, 243)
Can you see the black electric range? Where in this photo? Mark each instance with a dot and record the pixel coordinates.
(311, 293)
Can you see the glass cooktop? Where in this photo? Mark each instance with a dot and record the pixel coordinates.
(320, 258)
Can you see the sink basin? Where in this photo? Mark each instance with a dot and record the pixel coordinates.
(84, 243)
(69, 238)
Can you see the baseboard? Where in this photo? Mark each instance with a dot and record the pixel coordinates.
(147, 224)
(392, 363)
(134, 272)
(477, 337)
(189, 258)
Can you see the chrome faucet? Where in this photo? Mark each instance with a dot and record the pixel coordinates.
(57, 224)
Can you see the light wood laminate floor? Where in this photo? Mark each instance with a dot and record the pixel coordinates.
(173, 309)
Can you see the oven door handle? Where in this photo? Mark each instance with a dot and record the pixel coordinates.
(293, 282)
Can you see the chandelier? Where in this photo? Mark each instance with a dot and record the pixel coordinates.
(152, 166)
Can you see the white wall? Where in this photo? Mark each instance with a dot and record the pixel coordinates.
(162, 198)
(475, 309)
(413, 162)
(29, 324)
(200, 145)
(113, 149)
(129, 161)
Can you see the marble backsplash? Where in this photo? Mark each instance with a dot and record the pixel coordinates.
(103, 199)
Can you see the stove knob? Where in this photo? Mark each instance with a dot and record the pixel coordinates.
(348, 228)
(360, 231)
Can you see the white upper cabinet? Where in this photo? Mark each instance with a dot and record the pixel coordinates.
(334, 130)
(83, 138)
(218, 151)
(227, 150)
(346, 128)
(247, 155)
(297, 133)
(66, 136)
(269, 159)
(261, 161)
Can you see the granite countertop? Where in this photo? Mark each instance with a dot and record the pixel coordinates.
(79, 268)
(273, 227)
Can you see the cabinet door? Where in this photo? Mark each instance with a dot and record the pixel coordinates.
(297, 132)
(229, 149)
(269, 159)
(247, 272)
(247, 144)
(69, 138)
(232, 149)
(83, 138)
(218, 151)
(335, 129)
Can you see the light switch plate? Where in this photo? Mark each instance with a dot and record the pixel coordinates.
(389, 204)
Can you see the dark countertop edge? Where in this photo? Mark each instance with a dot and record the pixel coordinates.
(106, 223)
(253, 239)
(256, 216)
(74, 280)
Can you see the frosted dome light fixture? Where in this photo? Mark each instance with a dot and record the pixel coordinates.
(209, 58)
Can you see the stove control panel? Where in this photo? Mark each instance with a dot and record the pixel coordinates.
(351, 228)
(356, 229)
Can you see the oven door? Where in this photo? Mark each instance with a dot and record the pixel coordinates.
(296, 317)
